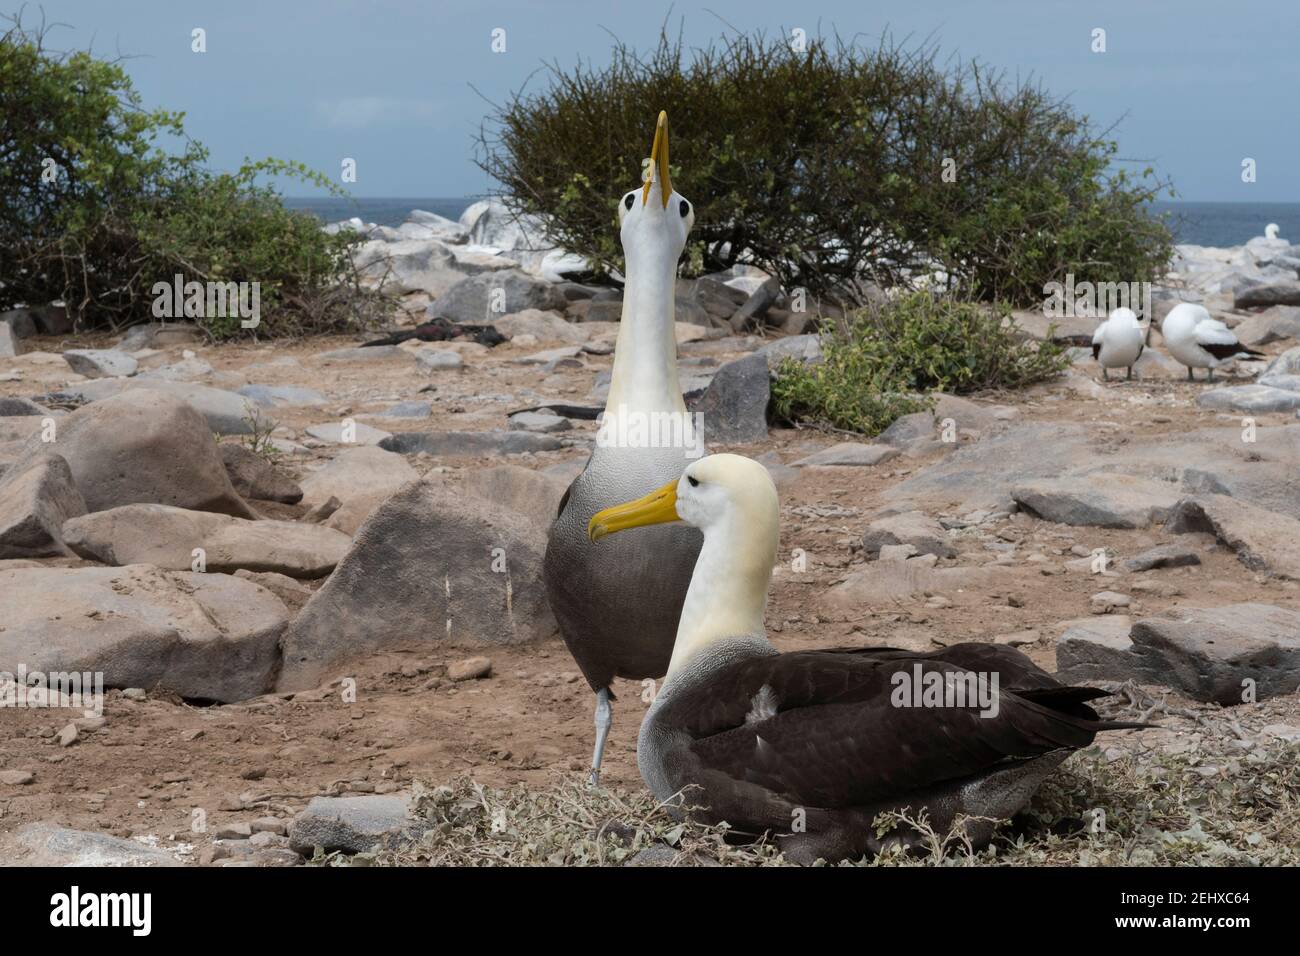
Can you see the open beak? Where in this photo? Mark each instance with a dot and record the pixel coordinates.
(657, 507)
(659, 163)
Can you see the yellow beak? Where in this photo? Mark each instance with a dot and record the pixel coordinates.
(659, 163)
(655, 508)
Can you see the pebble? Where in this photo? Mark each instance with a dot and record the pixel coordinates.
(16, 778)
(472, 668)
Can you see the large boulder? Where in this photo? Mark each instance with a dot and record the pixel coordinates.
(35, 499)
(361, 479)
(1263, 540)
(534, 494)
(484, 297)
(167, 537)
(46, 844)
(734, 406)
(202, 636)
(351, 824)
(1211, 654)
(142, 446)
(1252, 399)
(426, 568)
(100, 363)
(255, 477)
(1100, 500)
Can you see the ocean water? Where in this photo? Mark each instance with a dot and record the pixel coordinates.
(1198, 223)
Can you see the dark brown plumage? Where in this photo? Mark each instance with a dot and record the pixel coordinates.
(1221, 352)
(766, 735)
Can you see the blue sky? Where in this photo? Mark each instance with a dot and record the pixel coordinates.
(1198, 85)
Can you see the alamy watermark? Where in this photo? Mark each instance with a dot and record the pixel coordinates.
(212, 300)
(624, 428)
(936, 688)
(73, 689)
(1095, 300)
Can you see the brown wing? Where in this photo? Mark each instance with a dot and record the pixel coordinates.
(837, 739)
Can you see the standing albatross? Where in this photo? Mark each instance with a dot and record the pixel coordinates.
(618, 605)
(812, 745)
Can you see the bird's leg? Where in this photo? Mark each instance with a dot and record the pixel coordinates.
(1129, 376)
(1210, 376)
(604, 720)
(1105, 374)
(1190, 376)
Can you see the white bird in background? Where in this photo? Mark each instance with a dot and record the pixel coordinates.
(1199, 341)
(1118, 342)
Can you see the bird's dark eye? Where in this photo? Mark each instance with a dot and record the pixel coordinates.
(691, 478)
(628, 200)
(685, 207)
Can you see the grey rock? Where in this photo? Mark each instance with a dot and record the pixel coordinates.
(100, 363)
(534, 494)
(20, 322)
(272, 396)
(850, 453)
(734, 407)
(450, 444)
(1288, 363)
(36, 497)
(1103, 500)
(166, 537)
(361, 478)
(408, 410)
(1272, 325)
(51, 845)
(430, 360)
(161, 335)
(1249, 398)
(538, 422)
(14, 407)
(1265, 294)
(803, 348)
(480, 584)
(472, 298)
(202, 636)
(1263, 540)
(1173, 555)
(255, 477)
(1289, 383)
(914, 528)
(142, 446)
(354, 433)
(9, 345)
(1206, 653)
(350, 824)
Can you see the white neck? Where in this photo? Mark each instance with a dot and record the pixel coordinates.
(728, 590)
(645, 358)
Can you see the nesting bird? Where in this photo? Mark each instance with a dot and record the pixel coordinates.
(618, 604)
(812, 745)
(1198, 341)
(1118, 342)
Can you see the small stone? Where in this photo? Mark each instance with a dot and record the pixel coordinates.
(135, 693)
(233, 831)
(191, 734)
(68, 735)
(16, 778)
(269, 825)
(1106, 601)
(896, 552)
(472, 668)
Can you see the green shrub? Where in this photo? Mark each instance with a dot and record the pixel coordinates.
(890, 356)
(824, 166)
(94, 211)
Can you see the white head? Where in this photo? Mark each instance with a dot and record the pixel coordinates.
(654, 219)
(1271, 230)
(734, 502)
(1123, 318)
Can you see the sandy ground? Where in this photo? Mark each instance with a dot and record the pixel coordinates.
(157, 761)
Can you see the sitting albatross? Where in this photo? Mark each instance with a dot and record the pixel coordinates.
(812, 745)
(1197, 340)
(618, 605)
